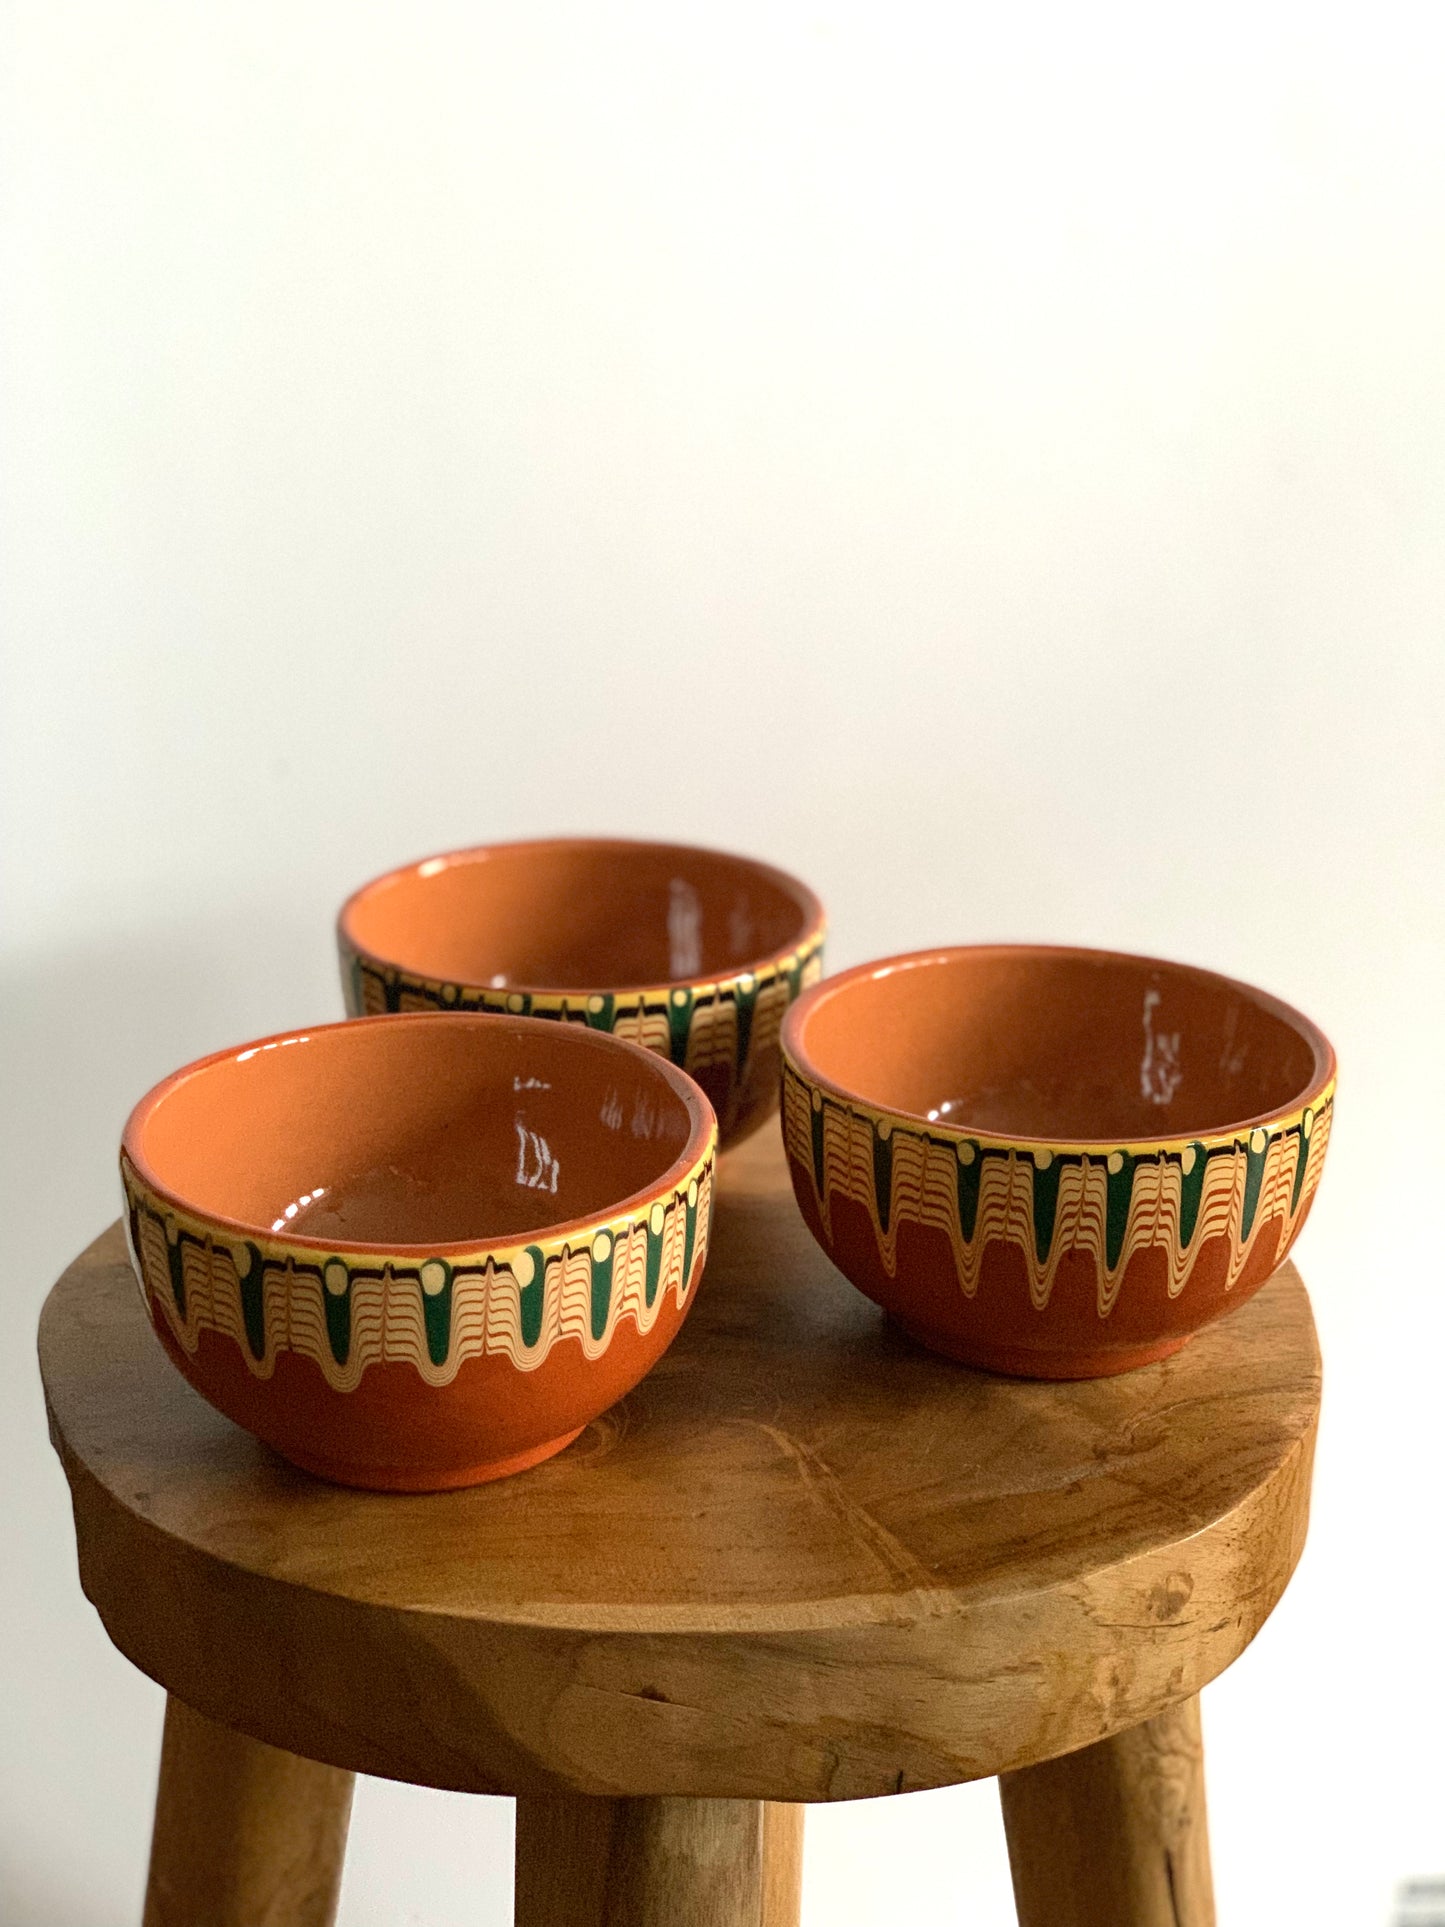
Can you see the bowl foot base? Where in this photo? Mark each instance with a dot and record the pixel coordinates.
(407, 1479)
(1019, 1362)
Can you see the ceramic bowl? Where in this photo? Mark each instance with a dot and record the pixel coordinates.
(412, 1253)
(694, 953)
(1054, 1163)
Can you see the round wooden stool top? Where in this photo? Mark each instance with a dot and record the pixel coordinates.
(803, 1561)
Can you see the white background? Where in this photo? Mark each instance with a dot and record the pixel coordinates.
(990, 461)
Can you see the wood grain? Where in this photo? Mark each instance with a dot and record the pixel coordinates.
(1115, 1835)
(803, 1561)
(782, 1864)
(245, 1835)
(655, 1863)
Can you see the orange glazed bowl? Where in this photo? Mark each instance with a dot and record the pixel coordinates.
(694, 953)
(1054, 1163)
(411, 1253)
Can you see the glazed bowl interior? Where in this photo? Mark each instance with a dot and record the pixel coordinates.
(1059, 1045)
(414, 1131)
(578, 915)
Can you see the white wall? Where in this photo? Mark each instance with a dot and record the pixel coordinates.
(989, 460)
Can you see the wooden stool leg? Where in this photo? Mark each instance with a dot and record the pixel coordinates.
(1115, 1835)
(245, 1836)
(782, 1864)
(657, 1863)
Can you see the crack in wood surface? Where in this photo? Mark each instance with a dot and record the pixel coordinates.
(827, 1491)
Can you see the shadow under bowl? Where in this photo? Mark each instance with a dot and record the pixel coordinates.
(1049, 1162)
(412, 1254)
(694, 953)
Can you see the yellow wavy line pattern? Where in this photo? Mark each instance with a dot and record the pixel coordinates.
(387, 1318)
(925, 1192)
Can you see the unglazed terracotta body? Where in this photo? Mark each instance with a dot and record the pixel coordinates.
(1053, 1163)
(694, 953)
(411, 1254)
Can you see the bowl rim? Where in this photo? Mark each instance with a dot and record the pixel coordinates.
(1316, 1091)
(701, 1142)
(811, 932)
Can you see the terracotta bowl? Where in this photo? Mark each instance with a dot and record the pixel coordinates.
(1055, 1163)
(693, 953)
(412, 1254)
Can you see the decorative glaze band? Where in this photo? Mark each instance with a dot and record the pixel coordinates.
(348, 1312)
(1110, 1204)
(721, 1026)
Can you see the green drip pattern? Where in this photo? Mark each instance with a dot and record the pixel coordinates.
(744, 1004)
(1120, 1195)
(253, 1300)
(883, 1174)
(1253, 1179)
(1046, 1203)
(1191, 1190)
(690, 1237)
(338, 1312)
(970, 1179)
(816, 1119)
(436, 1306)
(531, 1298)
(1301, 1160)
(679, 1023)
(175, 1260)
(601, 1285)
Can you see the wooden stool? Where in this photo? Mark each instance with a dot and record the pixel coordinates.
(803, 1561)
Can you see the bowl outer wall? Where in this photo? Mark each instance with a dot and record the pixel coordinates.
(1070, 1289)
(252, 1322)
